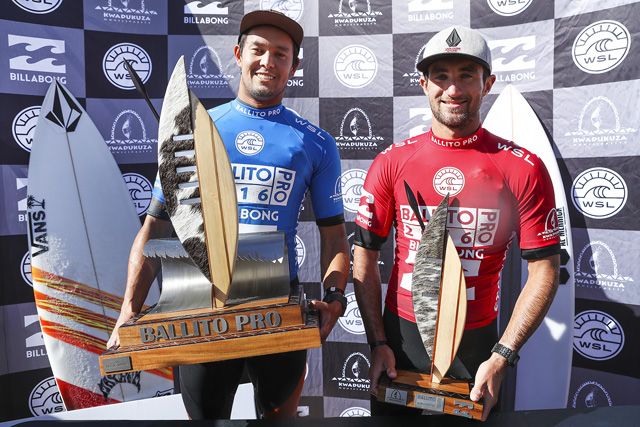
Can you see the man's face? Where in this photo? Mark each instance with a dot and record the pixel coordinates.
(455, 87)
(266, 64)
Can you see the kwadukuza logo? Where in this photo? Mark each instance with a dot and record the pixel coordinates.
(509, 7)
(24, 125)
(356, 132)
(429, 10)
(129, 134)
(601, 46)
(591, 394)
(354, 13)
(36, 59)
(412, 77)
(199, 12)
(599, 193)
(352, 181)
(140, 191)
(45, 398)
(355, 66)
(38, 6)
(354, 374)
(292, 8)
(599, 125)
(114, 69)
(135, 11)
(597, 335)
(513, 59)
(597, 268)
(301, 251)
(205, 69)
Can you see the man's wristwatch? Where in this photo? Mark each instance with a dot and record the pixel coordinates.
(335, 294)
(511, 356)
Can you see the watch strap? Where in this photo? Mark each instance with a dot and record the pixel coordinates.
(511, 356)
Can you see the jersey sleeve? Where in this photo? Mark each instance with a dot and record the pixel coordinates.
(326, 194)
(156, 207)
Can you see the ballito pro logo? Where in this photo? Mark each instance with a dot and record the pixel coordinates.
(509, 7)
(597, 268)
(591, 394)
(45, 398)
(249, 142)
(354, 13)
(601, 46)
(354, 375)
(351, 320)
(597, 335)
(355, 411)
(599, 124)
(25, 269)
(599, 193)
(114, 68)
(301, 251)
(351, 182)
(292, 8)
(140, 191)
(24, 126)
(38, 6)
(205, 69)
(129, 134)
(448, 180)
(356, 132)
(128, 13)
(355, 66)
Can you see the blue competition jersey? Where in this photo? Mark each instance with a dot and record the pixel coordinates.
(276, 156)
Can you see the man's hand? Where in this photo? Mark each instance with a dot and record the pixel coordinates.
(488, 380)
(114, 340)
(329, 314)
(382, 360)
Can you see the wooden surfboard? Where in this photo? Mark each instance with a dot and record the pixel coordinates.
(198, 184)
(81, 223)
(544, 368)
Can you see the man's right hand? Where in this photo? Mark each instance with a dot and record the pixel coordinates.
(114, 340)
(382, 360)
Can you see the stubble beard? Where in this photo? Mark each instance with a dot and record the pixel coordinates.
(451, 120)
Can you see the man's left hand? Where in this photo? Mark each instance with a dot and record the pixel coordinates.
(329, 314)
(487, 383)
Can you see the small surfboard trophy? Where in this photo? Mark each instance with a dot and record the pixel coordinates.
(440, 305)
(224, 295)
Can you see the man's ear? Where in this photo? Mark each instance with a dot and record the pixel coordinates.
(488, 84)
(294, 67)
(237, 55)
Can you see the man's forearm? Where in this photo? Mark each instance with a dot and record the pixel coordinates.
(334, 256)
(368, 289)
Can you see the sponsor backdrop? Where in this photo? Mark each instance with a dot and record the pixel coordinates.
(573, 60)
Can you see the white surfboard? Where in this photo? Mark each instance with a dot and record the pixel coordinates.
(544, 369)
(81, 223)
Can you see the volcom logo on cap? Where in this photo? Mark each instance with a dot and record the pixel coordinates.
(601, 47)
(454, 39)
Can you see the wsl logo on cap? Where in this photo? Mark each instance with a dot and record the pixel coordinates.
(140, 191)
(448, 180)
(509, 7)
(355, 66)
(301, 251)
(45, 398)
(601, 46)
(114, 68)
(356, 132)
(591, 394)
(352, 182)
(38, 6)
(599, 193)
(292, 8)
(599, 124)
(24, 126)
(597, 268)
(597, 335)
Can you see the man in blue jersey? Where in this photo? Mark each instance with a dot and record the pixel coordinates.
(268, 145)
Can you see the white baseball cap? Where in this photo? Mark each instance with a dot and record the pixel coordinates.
(458, 41)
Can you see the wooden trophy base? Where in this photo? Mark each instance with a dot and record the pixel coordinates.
(416, 390)
(158, 340)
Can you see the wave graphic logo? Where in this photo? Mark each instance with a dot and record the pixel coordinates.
(601, 47)
(41, 54)
(599, 193)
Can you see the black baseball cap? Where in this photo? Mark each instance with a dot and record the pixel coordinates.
(274, 19)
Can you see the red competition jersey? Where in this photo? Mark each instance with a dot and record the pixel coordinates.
(496, 190)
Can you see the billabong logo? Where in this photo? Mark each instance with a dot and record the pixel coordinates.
(429, 10)
(421, 115)
(45, 398)
(249, 142)
(200, 12)
(591, 394)
(355, 66)
(599, 124)
(359, 135)
(34, 343)
(351, 320)
(352, 182)
(114, 68)
(354, 375)
(354, 13)
(25, 269)
(597, 335)
(599, 193)
(301, 251)
(21, 188)
(509, 7)
(128, 12)
(292, 8)
(205, 69)
(38, 56)
(39, 7)
(448, 180)
(355, 411)
(24, 126)
(37, 226)
(108, 382)
(513, 59)
(597, 268)
(140, 191)
(297, 79)
(129, 134)
(601, 46)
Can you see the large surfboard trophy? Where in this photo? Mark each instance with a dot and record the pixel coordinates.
(225, 295)
(440, 305)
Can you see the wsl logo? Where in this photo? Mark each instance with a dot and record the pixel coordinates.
(140, 191)
(134, 11)
(509, 7)
(114, 68)
(354, 375)
(24, 126)
(199, 12)
(599, 125)
(601, 47)
(448, 180)
(514, 59)
(429, 10)
(355, 411)
(292, 8)
(129, 135)
(37, 60)
(591, 394)
(37, 226)
(205, 69)
(45, 398)
(597, 268)
(301, 251)
(351, 320)
(413, 77)
(351, 182)
(25, 269)
(599, 193)
(597, 335)
(249, 142)
(38, 6)
(355, 66)
(354, 13)
(356, 132)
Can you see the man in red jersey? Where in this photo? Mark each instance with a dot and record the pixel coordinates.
(497, 190)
